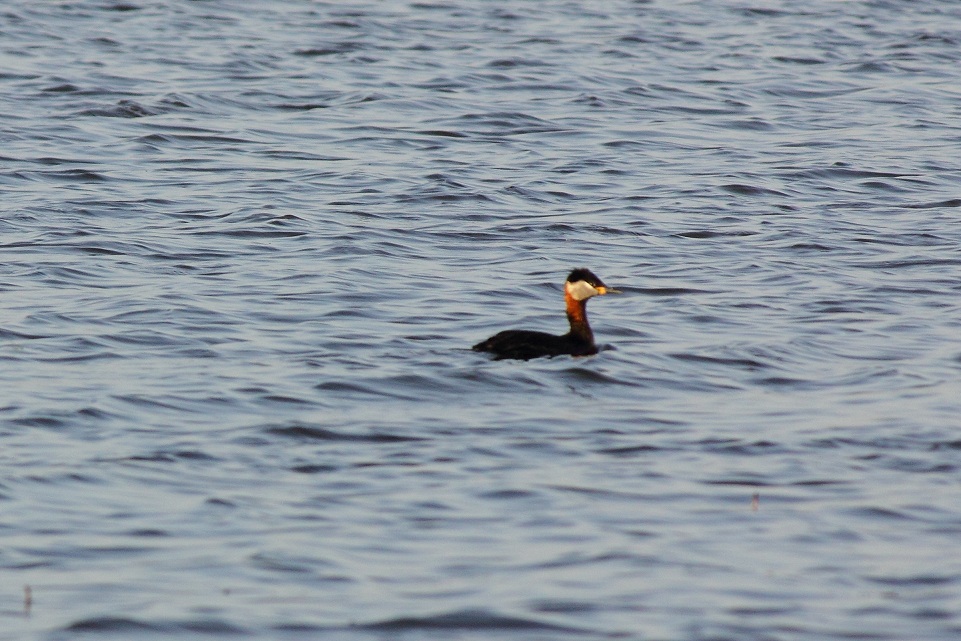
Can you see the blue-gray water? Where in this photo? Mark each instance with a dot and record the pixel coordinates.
(244, 247)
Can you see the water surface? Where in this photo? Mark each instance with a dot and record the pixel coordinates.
(246, 246)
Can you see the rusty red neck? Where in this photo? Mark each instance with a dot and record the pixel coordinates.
(577, 316)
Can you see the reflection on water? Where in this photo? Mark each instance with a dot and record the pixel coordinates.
(246, 251)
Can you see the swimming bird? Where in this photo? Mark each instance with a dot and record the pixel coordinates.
(524, 344)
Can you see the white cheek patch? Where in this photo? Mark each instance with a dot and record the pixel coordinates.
(581, 290)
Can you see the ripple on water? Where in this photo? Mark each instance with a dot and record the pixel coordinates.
(308, 433)
(466, 620)
(246, 254)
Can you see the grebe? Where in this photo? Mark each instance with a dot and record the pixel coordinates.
(524, 344)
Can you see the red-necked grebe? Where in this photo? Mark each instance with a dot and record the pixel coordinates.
(524, 344)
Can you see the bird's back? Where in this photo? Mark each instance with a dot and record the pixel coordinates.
(525, 344)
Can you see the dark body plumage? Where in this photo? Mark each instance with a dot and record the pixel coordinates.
(579, 341)
(526, 344)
